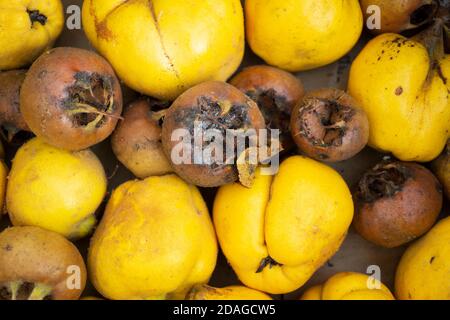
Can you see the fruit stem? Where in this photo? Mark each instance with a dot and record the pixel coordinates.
(432, 39)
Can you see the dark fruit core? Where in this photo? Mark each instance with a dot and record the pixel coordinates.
(324, 122)
(423, 14)
(36, 16)
(275, 109)
(23, 290)
(385, 180)
(214, 115)
(267, 262)
(90, 100)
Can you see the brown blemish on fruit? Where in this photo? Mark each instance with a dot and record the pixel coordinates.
(398, 91)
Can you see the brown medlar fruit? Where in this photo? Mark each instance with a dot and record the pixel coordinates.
(327, 125)
(71, 98)
(11, 120)
(36, 264)
(276, 92)
(136, 142)
(210, 107)
(441, 167)
(401, 15)
(396, 202)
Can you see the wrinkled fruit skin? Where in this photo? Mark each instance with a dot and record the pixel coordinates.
(441, 167)
(422, 273)
(28, 29)
(396, 203)
(205, 292)
(143, 42)
(10, 117)
(31, 255)
(155, 241)
(201, 108)
(398, 16)
(276, 92)
(290, 34)
(327, 125)
(136, 142)
(277, 233)
(407, 116)
(348, 286)
(57, 103)
(55, 189)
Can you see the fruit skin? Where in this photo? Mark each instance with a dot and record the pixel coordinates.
(398, 16)
(441, 167)
(313, 293)
(325, 109)
(22, 40)
(422, 273)
(353, 286)
(10, 117)
(205, 292)
(298, 218)
(32, 254)
(290, 34)
(347, 286)
(276, 92)
(215, 106)
(3, 179)
(55, 98)
(55, 189)
(405, 213)
(408, 116)
(159, 50)
(155, 241)
(136, 142)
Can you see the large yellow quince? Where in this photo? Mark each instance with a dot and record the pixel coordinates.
(405, 93)
(155, 241)
(161, 48)
(301, 35)
(277, 233)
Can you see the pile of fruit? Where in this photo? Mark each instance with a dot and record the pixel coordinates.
(155, 238)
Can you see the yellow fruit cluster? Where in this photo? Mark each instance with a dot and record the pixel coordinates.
(158, 234)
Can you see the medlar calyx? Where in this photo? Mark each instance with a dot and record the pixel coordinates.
(327, 125)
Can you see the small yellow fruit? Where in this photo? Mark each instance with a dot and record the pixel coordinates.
(155, 241)
(55, 189)
(301, 35)
(162, 48)
(404, 92)
(423, 271)
(205, 292)
(354, 286)
(277, 233)
(27, 29)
